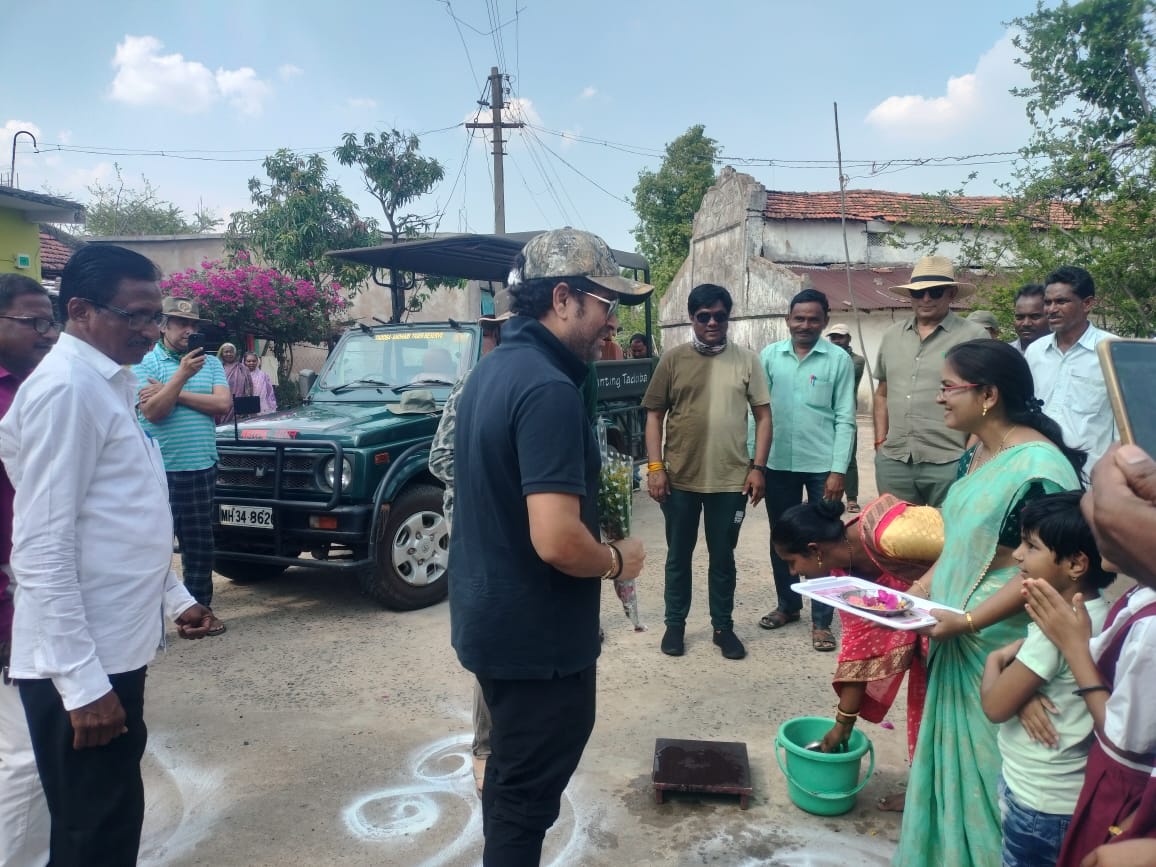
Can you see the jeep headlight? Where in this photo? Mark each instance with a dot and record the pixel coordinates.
(328, 471)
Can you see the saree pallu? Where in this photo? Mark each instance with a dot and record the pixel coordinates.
(952, 814)
(903, 542)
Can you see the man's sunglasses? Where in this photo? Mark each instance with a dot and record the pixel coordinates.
(936, 292)
(40, 325)
(611, 303)
(705, 316)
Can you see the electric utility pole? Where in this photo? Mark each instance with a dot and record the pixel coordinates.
(497, 103)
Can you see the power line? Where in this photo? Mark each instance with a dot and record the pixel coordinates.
(561, 184)
(580, 174)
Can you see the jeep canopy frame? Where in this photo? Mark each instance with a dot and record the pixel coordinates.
(464, 256)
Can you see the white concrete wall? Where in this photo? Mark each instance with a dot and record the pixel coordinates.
(820, 242)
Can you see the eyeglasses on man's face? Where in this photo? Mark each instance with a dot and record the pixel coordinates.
(38, 324)
(134, 319)
(611, 303)
(703, 317)
(936, 292)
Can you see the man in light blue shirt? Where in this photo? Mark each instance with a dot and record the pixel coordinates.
(1065, 366)
(812, 383)
(180, 392)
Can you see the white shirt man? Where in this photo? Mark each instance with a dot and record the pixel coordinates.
(92, 554)
(1065, 366)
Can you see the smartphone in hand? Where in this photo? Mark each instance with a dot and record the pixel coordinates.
(1129, 370)
(196, 341)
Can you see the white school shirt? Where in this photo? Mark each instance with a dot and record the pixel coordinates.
(92, 536)
(1073, 390)
(1130, 715)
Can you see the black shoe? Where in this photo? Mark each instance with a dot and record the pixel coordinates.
(729, 644)
(672, 641)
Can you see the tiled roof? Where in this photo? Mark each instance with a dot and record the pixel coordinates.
(863, 205)
(54, 251)
(868, 285)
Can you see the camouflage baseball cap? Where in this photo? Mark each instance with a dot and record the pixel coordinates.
(568, 252)
(184, 308)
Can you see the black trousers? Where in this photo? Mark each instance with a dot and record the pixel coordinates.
(95, 795)
(540, 730)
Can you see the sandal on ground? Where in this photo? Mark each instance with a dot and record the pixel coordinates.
(216, 626)
(823, 640)
(777, 619)
(853, 507)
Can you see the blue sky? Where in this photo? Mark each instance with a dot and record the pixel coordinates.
(231, 81)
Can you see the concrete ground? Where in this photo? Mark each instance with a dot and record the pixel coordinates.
(321, 729)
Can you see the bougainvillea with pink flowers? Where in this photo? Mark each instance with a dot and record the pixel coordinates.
(245, 299)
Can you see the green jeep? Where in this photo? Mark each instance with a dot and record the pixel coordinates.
(344, 477)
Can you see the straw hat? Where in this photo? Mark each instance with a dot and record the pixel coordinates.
(932, 271)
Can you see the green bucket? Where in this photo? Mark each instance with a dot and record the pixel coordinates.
(821, 783)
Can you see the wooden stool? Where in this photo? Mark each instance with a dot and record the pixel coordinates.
(717, 767)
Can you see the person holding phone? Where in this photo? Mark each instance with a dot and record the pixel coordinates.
(700, 394)
(182, 390)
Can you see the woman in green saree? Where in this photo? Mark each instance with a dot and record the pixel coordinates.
(952, 813)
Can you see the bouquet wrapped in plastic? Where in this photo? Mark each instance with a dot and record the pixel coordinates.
(614, 508)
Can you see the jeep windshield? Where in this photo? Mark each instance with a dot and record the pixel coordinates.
(394, 360)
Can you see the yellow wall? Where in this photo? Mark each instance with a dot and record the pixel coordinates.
(17, 235)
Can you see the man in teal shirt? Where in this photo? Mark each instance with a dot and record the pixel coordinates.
(812, 384)
(180, 390)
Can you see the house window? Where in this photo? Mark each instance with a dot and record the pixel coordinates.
(876, 239)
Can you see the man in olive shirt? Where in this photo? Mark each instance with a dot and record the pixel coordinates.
(915, 452)
(702, 391)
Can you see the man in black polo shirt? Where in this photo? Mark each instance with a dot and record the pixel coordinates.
(524, 596)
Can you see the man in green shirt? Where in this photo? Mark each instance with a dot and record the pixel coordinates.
(700, 394)
(915, 452)
(840, 335)
(813, 399)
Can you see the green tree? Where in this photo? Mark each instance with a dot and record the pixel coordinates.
(395, 174)
(118, 209)
(299, 215)
(666, 201)
(1084, 192)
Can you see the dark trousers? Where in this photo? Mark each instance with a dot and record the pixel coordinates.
(785, 489)
(722, 518)
(540, 728)
(191, 501)
(95, 795)
(851, 482)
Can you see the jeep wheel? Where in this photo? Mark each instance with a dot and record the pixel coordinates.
(244, 572)
(412, 554)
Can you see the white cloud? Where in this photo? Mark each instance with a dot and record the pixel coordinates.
(287, 70)
(242, 89)
(517, 109)
(977, 97)
(361, 103)
(145, 77)
(588, 92)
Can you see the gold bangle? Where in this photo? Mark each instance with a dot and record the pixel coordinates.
(971, 623)
(655, 466)
(615, 568)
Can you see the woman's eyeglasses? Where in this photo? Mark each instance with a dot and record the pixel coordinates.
(936, 292)
(705, 316)
(40, 325)
(945, 390)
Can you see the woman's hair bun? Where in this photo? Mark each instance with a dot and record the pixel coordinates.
(830, 509)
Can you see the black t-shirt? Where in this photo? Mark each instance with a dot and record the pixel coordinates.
(521, 429)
